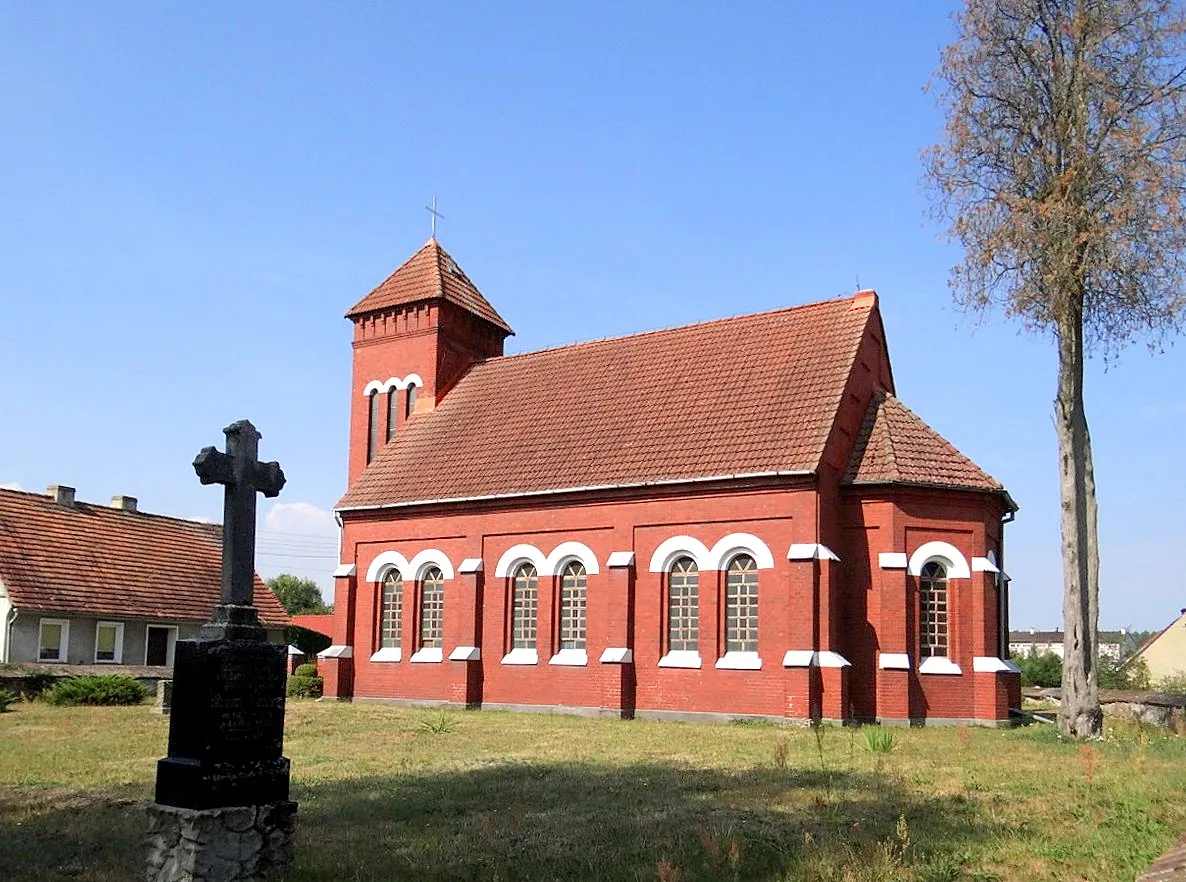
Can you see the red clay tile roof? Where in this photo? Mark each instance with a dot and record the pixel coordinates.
(757, 393)
(429, 273)
(896, 447)
(91, 559)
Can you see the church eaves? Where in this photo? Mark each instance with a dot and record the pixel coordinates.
(745, 396)
(430, 273)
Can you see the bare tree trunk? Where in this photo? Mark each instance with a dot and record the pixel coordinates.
(1080, 714)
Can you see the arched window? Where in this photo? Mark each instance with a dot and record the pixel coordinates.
(572, 606)
(411, 400)
(524, 607)
(373, 426)
(683, 606)
(932, 609)
(392, 413)
(741, 605)
(392, 609)
(432, 608)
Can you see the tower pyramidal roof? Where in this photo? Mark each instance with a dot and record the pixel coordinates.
(429, 273)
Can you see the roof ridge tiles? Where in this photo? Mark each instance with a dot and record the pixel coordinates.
(613, 338)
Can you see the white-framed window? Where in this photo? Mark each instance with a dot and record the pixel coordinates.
(741, 605)
(932, 610)
(109, 643)
(391, 621)
(572, 606)
(54, 640)
(432, 609)
(159, 644)
(524, 607)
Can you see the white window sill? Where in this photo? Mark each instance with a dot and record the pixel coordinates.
(428, 654)
(826, 658)
(938, 664)
(680, 658)
(894, 661)
(107, 661)
(740, 661)
(575, 657)
(798, 658)
(521, 656)
(388, 654)
(465, 653)
(990, 664)
(617, 655)
(338, 650)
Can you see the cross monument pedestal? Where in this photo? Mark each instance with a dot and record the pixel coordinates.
(222, 812)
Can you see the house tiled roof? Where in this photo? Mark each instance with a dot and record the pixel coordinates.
(429, 273)
(896, 447)
(746, 395)
(91, 559)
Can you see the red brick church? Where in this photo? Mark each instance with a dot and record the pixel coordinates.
(730, 519)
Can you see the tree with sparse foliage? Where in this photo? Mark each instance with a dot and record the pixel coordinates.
(298, 596)
(1062, 173)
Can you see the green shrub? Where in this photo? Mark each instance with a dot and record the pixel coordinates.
(305, 670)
(37, 683)
(878, 740)
(304, 687)
(1133, 674)
(7, 697)
(1175, 684)
(1043, 669)
(107, 689)
(442, 725)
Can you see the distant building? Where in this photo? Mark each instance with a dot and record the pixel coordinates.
(95, 584)
(1033, 642)
(1165, 652)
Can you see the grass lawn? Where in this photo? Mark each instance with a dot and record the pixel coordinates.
(503, 796)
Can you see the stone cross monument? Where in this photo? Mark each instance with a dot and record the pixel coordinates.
(222, 812)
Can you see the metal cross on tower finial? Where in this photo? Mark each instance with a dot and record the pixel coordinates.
(432, 209)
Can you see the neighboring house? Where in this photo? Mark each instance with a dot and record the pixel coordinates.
(1033, 642)
(1165, 652)
(95, 584)
(734, 518)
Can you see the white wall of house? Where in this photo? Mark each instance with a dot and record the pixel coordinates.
(81, 633)
(5, 612)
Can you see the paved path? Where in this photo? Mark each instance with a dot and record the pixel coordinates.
(1170, 867)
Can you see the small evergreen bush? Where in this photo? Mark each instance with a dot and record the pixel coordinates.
(304, 687)
(1040, 669)
(105, 689)
(7, 697)
(305, 670)
(37, 683)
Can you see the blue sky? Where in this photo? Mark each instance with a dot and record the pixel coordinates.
(194, 194)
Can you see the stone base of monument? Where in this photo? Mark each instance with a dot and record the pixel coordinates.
(233, 844)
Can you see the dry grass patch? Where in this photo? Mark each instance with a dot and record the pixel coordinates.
(396, 793)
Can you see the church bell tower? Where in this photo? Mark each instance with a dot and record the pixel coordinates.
(415, 336)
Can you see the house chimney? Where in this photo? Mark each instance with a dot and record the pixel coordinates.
(61, 495)
(124, 503)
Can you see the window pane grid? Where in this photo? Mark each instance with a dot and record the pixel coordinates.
(741, 606)
(683, 607)
(393, 607)
(432, 609)
(392, 413)
(932, 610)
(524, 608)
(572, 607)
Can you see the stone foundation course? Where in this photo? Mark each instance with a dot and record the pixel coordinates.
(235, 844)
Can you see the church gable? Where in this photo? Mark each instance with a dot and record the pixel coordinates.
(752, 395)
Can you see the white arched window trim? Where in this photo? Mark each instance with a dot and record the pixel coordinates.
(385, 561)
(521, 554)
(411, 570)
(680, 546)
(945, 553)
(392, 384)
(430, 557)
(735, 544)
(565, 553)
